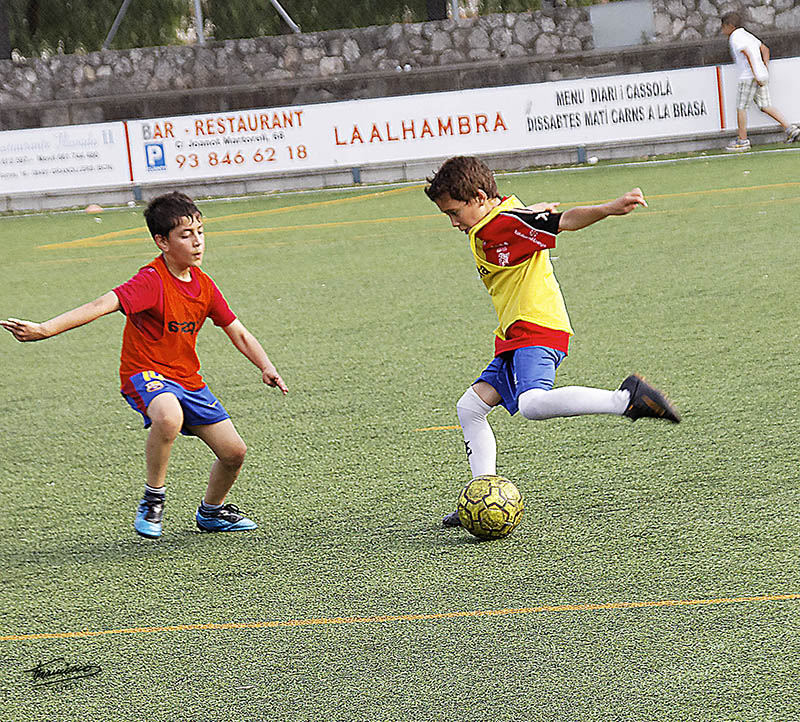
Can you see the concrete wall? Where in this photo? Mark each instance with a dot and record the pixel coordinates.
(486, 51)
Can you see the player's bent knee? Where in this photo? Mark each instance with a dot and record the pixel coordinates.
(234, 455)
(166, 415)
(168, 425)
(470, 406)
(531, 404)
(462, 406)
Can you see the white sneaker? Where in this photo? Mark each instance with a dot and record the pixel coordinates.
(792, 133)
(738, 145)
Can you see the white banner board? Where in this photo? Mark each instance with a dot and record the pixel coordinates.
(598, 110)
(384, 130)
(71, 156)
(352, 134)
(783, 85)
(244, 142)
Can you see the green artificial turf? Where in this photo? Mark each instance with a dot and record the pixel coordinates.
(655, 575)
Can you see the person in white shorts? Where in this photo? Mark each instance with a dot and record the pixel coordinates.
(751, 57)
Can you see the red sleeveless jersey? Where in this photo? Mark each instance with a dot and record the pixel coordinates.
(173, 353)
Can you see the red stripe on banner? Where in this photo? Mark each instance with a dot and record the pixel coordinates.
(128, 146)
(719, 96)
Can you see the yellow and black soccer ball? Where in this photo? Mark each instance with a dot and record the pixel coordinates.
(490, 507)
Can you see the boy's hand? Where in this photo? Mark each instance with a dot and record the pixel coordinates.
(271, 377)
(24, 330)
(550, 207)
(581, 216)
(625, 204)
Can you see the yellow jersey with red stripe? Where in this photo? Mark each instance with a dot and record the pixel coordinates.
(511, 245)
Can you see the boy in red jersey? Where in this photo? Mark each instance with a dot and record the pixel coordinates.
(165, 305)
(510, 244)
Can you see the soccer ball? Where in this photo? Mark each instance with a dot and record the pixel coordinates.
(490, 507)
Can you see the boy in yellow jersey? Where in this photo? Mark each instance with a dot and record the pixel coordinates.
(510, 244)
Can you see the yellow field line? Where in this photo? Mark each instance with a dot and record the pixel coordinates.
(406, 617)
(112, 238)
(102, 242)
(704, 192)
(438, 428)
(709, 191)
(98, 241)
(316, 204)
(248, 214)
(334, 224)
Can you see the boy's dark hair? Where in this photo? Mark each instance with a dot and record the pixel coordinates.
(461, 177)
(165, 212)
(733, 19)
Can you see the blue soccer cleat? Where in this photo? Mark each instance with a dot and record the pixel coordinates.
(148, 517)
(227, 518)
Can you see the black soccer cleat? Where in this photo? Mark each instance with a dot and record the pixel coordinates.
(647, 401)
(451, 520)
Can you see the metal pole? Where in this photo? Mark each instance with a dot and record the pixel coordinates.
(291, 23)
(115, 26)
(5, 33)
(198, 22)
(454, 8)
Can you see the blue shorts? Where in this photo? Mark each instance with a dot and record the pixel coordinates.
(512, 373)
(199, 407)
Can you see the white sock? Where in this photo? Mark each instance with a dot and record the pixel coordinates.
(479, 438)
(571, 401)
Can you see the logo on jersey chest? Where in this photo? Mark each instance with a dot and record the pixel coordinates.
(497, 253)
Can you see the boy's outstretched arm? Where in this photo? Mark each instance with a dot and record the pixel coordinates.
(250, 347)
(550, 206)
(31, 331)
(582, 216)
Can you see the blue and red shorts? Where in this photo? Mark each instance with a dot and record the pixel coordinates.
(512, 373)
(200, 407)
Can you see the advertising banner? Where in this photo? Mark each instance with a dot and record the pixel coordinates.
(385, 130)
(352, 134)
(242, 142)
(598, 110)
(64, 157)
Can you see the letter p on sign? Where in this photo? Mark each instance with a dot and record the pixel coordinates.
(154, 155)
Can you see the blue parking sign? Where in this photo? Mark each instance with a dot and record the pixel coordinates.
(154, 156)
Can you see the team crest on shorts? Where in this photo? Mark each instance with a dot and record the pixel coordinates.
(154, 381)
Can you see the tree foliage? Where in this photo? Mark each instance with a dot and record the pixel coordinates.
(47, 26)
(508, 6)
(486, 7)
(248, 18)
